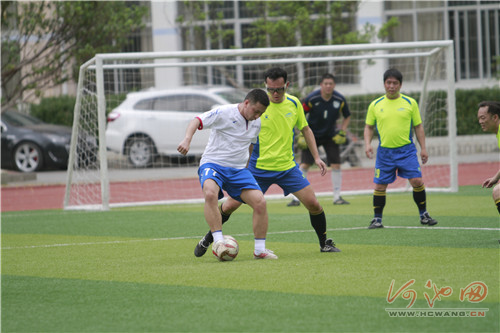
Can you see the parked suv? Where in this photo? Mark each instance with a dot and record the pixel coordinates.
(152, 123)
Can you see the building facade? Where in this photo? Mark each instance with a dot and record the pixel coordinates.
(474, 26)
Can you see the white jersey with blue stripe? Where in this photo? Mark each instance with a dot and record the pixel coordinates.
(230, 138)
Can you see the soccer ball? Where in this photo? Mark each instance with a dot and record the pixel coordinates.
(227, 251)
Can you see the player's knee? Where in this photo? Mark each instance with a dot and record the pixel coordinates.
(230, 205)
(211, 195)
(416, 182)
(380, 187)
(496, 192)
(260, 206)
(314, 207)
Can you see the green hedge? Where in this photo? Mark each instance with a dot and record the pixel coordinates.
(467, 101)
(59, 110)
(55, 110)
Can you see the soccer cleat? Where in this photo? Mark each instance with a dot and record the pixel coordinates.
(425, 219)
(293, 203)
(329, 246)
(201, 247)
(376, 223)
(341, 201)
(266, 254)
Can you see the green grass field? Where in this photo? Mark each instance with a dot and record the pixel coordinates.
(133, 269)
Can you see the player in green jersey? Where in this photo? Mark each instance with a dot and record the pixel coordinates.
(396, 116)
(488, 116)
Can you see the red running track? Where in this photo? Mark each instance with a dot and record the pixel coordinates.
(22, 198)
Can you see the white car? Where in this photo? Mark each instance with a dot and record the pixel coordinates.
(152, 123)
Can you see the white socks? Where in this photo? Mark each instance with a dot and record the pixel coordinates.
(217, 235)
(260, 245)
(337, 183)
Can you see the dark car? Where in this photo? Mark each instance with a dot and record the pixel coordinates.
(29, 144)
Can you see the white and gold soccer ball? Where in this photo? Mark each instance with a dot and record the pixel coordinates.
(227, 249)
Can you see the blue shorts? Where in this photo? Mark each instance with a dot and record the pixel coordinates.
(403, 160)
(291, 180)
(231, 180)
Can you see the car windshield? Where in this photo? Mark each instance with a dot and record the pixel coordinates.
(19, 119)
(232, 96)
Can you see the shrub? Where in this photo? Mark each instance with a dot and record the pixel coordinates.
(55, 110)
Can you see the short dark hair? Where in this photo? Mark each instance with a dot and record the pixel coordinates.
(493, 107)
(393, 72)
(258, 96)
(275, 73)
(327, 76)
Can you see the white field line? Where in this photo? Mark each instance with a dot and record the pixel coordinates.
(247, 234)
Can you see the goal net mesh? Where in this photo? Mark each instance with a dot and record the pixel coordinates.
(113, 177)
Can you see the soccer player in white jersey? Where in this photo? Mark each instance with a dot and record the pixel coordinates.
(223, 165)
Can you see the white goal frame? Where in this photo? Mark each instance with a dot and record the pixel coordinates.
(206, 58)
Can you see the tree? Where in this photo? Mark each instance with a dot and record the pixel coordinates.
(45, 42)
(294, 23)
(286, 23)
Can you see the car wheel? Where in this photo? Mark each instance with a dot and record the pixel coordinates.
(140, 151)
(28, 157)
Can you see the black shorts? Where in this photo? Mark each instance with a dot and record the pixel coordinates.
(331, 148)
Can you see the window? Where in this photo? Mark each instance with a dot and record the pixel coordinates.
(187, 102)
(170, 103)
(229, 24)
(198, 103)
(145, 104)
(472, 25)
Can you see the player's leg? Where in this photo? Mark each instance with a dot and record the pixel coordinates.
(385, 174)
(496, 196)
(211, 180)
(208, 239)
(210, 210)
(409, 168)
(333, 158)
(379, 199)
(336, 174)
(420, 198)
(306, 161)
(231, 205)
(255, 199)
(211, 194)
(317, 218)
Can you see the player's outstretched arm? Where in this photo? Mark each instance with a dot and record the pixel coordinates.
(183, 147)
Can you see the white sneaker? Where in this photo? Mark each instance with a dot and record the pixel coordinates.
(266, 254)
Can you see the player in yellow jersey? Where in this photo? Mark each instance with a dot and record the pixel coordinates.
(272, 160)
(488, 116)
(396, 116)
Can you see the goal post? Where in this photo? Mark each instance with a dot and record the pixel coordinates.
(110, 178)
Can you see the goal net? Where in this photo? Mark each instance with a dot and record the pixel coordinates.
(137, 106)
